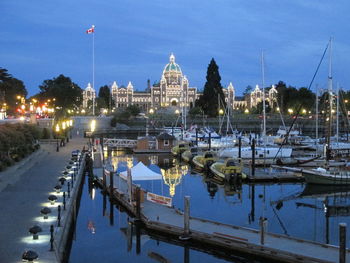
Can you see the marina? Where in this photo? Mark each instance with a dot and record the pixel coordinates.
(216, 231)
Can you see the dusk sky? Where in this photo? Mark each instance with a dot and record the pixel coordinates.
(133, 40)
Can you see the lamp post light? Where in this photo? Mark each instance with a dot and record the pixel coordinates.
(45, 212)
(52, 199)
(35, 230)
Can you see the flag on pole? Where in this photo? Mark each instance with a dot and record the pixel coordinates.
(90, 30)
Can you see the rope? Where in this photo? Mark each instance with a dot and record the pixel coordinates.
(300, 106)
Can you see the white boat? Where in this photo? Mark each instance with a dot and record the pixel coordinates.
(323, 176)
(260, 152)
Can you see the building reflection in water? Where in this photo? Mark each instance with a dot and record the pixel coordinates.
(171, 170)
(172, 175)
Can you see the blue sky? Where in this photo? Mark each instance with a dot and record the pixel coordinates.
(41, 39)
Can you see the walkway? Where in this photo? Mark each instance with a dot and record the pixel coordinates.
(23, 190)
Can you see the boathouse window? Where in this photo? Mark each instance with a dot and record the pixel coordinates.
(166, 142)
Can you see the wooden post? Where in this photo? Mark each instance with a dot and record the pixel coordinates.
(129, 181)
(111, 184)
(263, 226)
(342, 242)
(197, 137)
(104, 179)
(239, 147)
(209, 141)
(186, 234)
(138, 203)
(253, 157)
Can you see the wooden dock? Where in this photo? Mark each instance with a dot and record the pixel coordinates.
(169, 222)
(274, 174)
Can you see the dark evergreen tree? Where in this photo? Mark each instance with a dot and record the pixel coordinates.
(212, 91)
(105, 95)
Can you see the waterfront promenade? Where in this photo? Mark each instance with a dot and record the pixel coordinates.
(24, 188)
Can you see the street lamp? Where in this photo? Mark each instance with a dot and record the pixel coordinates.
(221, 111)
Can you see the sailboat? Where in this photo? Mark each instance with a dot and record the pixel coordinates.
(321, 175)
(261, 152)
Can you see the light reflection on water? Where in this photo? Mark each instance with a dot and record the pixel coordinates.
(311, 213)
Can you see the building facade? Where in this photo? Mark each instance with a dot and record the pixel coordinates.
(173, 90)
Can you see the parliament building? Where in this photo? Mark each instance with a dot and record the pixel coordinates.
(173, 90)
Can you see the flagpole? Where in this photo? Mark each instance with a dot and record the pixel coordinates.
(93, 70)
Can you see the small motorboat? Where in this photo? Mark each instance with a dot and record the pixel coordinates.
(230, 169)
(204, 161)
(179, 149)
(188, 155)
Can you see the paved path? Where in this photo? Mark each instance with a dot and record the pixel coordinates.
(23, 190)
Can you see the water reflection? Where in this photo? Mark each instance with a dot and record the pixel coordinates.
(303, 211)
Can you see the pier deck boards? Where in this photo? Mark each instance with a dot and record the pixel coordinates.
(272, 175)
(277, 247)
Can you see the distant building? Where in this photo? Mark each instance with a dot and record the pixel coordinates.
(173, 90)
(256, 96)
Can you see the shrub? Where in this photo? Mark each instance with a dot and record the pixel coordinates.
(45, 134)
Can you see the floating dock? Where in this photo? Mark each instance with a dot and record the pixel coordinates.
(179, 225)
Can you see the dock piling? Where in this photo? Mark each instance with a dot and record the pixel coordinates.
(263, 227)
(342, 242)
(138, 203)
(239, 147)
(253, 157)
(186, 234)
(111, 183)
(209, 142)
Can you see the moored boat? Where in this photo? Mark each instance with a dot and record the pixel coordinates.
(204, 161)
(323, 176)
(179, 149)
(188, 155)
(230, 169)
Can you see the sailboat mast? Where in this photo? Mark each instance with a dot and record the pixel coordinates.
(263, 92)
(330, 94)
(316, 119)
(337, 112)
(330, 98)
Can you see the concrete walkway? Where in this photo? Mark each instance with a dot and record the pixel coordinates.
(24, 189)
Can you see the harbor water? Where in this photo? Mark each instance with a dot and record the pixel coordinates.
(105, 233)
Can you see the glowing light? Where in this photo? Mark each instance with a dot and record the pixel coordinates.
(304, 111)
(290, 111)
(246, 111)
(93, 125)
(63, 125)
(43, 239)
(71, 123)
(151, 111)
(21, 118)
(221, 111)
(177, 112)
(278, 109)
(57, 129)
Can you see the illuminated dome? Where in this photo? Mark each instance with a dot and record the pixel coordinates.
(172, 72)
